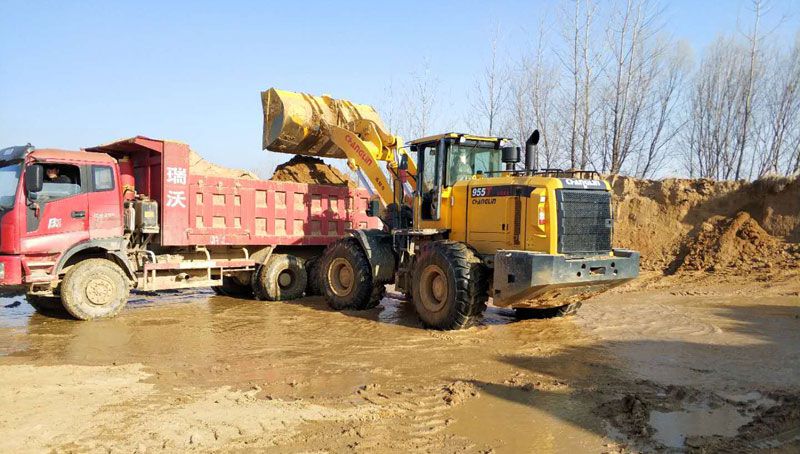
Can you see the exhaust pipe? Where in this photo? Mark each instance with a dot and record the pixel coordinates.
(530, 148)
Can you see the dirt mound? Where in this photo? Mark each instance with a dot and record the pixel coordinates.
(311, 170)
(662, 219)
(735, 244)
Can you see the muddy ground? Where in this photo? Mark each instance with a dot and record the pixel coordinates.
(702, 353)
(685, 363)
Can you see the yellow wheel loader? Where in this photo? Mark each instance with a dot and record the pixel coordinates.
(462, 224)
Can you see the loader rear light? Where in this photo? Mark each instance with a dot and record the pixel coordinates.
(541, 215)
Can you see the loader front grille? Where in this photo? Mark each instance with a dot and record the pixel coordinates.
(584, 222)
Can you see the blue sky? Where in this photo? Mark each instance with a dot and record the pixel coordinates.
(75, 74)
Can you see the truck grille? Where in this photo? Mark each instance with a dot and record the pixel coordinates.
(584, 222)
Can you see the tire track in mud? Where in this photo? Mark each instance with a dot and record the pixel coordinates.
(416, 419)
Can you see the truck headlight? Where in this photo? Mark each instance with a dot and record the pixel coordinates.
(2, 270)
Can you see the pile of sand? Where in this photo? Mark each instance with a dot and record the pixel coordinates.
(735, 245)
(200, 166)
(311, 170)
(674, 220)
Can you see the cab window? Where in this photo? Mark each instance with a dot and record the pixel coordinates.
(428, 168)
(466, 160)
(60, 181)
(102, 178)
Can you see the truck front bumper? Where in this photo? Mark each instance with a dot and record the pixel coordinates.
(529, 279)
(10, 274)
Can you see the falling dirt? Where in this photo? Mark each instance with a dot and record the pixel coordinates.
(698, 355)
(311, 170)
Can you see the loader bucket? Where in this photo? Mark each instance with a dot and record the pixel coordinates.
(294, 122)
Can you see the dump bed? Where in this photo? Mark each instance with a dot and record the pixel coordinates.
(198, 207)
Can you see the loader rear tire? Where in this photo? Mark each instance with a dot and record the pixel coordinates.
(525, 313)
(450, 285)
(94, 288)
(347, 277)
(282, 278)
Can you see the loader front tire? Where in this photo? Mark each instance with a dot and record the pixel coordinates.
(450, 286)
(94, 288)
(347, 277)
(282, 278)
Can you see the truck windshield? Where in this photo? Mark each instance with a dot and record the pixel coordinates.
(9, 179)
(465, 160)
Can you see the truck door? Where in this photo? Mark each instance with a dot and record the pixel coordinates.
(56, 216)
(105, 212)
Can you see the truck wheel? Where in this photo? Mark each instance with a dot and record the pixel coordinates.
(45, 304)
(450, 285)
(526, 313)
(231, 287)
(282, 278)
(347, 277)
(94, 288)
(314, 285)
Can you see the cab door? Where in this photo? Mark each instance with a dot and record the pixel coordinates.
(56, 217)
(105, 209)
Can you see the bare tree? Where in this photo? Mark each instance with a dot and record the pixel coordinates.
(534, 103)
(635, 63)
(782, 108)
(419, 105)
(491, 92)
(749, 83)
(662, 123)
(715, 105)
(579, 64)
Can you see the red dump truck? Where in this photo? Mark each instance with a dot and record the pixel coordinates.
(80, 229)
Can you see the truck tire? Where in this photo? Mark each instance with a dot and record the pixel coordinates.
(46, 304)
(314, 285)
(231, 287)
(282, 278)
(525, 313)
(94, 288)
(450, 285)
(347, 277)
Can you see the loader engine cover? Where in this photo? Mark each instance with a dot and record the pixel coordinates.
(146, 215)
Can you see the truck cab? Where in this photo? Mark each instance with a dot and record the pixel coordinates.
(52, 204)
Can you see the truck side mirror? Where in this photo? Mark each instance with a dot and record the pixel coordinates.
(403, 165)
(34, 178)
(373, 208)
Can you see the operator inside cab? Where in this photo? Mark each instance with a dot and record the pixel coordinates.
(54, 175)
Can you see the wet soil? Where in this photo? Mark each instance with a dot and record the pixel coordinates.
(311, 170)
(681, 363)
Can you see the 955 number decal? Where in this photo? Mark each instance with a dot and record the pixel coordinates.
(478, 192)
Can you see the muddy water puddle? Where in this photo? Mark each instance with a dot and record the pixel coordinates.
(674, 427)
(505, 385)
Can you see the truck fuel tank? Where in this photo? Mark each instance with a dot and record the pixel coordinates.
(146, 215)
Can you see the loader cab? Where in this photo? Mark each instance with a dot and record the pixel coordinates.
(443, 161)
